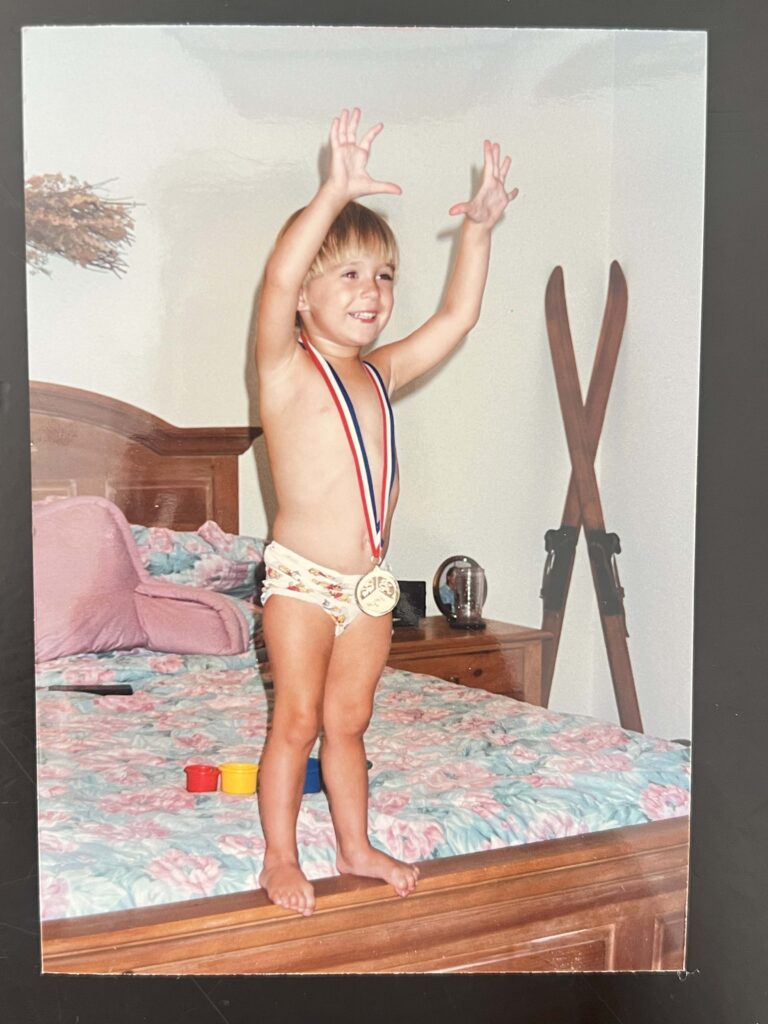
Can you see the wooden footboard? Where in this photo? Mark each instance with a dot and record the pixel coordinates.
(608, 901)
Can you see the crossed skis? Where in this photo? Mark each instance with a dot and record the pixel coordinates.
(583, 426)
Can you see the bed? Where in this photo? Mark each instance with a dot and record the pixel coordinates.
(595, 884)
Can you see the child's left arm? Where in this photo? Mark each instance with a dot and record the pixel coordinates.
(402, 361)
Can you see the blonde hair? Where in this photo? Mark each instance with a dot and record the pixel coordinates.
(356, 229)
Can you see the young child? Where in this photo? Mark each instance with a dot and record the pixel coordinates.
(329, 432)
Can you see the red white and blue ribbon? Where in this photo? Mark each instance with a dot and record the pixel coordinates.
(375, 512)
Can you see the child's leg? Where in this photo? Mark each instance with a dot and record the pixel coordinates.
(358, 657)
(299, 638)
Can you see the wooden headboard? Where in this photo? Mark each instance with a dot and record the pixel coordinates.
(158, 474)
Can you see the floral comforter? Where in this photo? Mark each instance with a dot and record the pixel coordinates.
(453, 771)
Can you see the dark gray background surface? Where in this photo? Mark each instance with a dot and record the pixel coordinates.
(728, 942)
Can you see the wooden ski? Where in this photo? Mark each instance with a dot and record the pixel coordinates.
(583, 426)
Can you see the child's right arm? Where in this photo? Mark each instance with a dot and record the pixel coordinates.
(294, 252)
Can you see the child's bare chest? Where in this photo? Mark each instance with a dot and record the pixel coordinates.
(322, 422)
(352, 409)
(330, 462)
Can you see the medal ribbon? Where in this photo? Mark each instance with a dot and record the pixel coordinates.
(374, 523)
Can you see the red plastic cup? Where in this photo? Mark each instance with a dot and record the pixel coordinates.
(202, 778)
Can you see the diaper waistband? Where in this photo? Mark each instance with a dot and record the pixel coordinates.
(287, 555)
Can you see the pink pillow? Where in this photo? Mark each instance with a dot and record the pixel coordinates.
(92, 592)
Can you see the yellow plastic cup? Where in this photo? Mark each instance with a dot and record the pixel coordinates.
(238, 778)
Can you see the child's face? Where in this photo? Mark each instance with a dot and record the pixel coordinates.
(351, 302)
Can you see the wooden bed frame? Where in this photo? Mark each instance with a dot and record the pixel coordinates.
(611, 901)
(158, 474)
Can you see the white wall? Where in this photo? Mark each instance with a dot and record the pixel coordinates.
(648, 459)
(218, 133)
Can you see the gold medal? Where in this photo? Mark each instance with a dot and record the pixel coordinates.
(377, 592)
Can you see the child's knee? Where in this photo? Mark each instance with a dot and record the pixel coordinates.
(300, 728)
(349, 722)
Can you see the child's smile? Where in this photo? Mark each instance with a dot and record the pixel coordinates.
(350, 303)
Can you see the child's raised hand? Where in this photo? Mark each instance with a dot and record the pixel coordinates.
(490, 200)
(349, 158)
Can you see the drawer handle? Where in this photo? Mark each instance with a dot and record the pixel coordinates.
(477, 672)
(454, 679)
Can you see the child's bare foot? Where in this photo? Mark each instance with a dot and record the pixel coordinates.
(371, 863)
(285, 884)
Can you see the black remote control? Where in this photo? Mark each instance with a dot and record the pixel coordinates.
(117, 688)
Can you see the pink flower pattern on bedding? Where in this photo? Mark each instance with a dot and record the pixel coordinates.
(454, 771)
(208, 557)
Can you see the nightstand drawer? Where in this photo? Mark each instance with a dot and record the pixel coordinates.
(502, 658)
(496, 671)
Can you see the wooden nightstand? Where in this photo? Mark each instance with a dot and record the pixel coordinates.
(502, 658)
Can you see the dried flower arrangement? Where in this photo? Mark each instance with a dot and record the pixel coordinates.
(66, 217)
